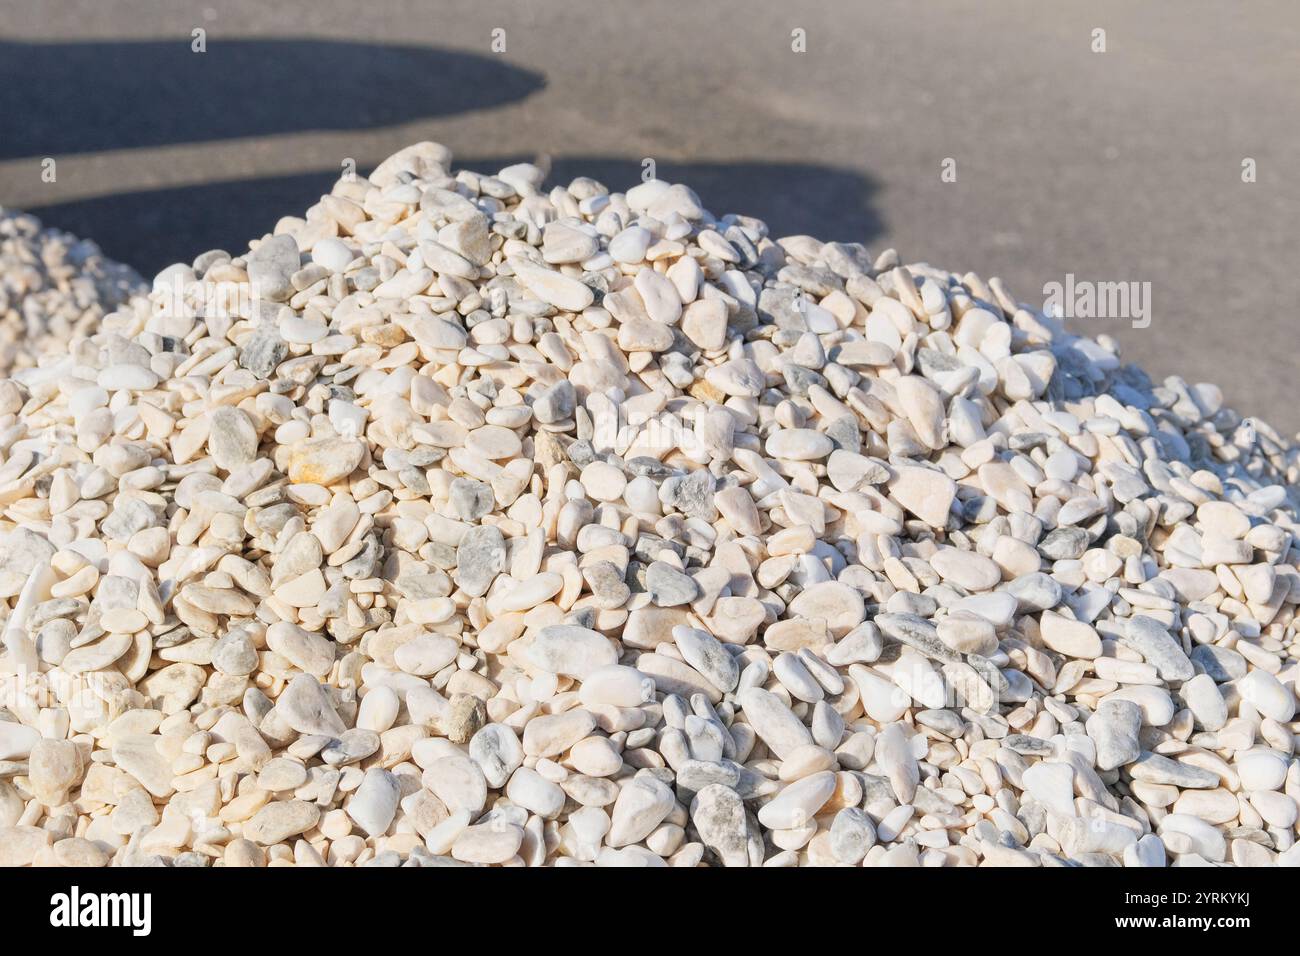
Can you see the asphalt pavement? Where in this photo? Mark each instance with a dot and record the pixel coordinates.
(1006, 137)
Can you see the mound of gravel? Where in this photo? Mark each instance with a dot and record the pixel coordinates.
(466, 520)
(53, 287)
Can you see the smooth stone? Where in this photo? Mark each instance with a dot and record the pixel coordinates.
(918, 633)
(849, 471)
(1069, 637)
(642, 804)
(924, 492)
(1278, 809)
(551, 735)
(616, 686)
(374, 804)
(968, 569)
(968, 634)
(1155, 768)
(1150, 639)
(279, 820)
(718, 814)
(498, 753)
(841, 606)
(662, 303)
(20, 845)
(799, 444)
(323, 461)
(426, 654)
(862, 645)
(1203, 699)
(895, 758)
(232, 439)
(281, 773)
(304, 706)
(707, 655)
(16, 740)
(571, 651)
(530, 790)
(739, 378)
(488, 843)
(1034, 592)
(1051, 784)
(1270, 696)
(52, 768)
(773, 722)
(271, 265)
(306, 650)
(797, 804)
(95, 657)
(554, 288)
(458, 782)
(796, 678)
(669, 587)
(1114, 728)
(1206, 839)
(852, 834)
(480, 557)
(1222, 518)
(1261, 770)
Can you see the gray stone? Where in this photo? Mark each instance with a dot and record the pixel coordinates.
(719, 817)
(366, 563)
(480, 557)
(1221, 663)
(1034, 592)
(852, 835)
(304, 705)
(918, 633)
(352, 746)
(263, 351)
(1202, 697)
(691, 494)
(469, 499)
(1150, 639)
(1156, 768)
(670, 587)
(698, 774)
(556, 404)
(707, 655)
(1064, 544)
(270, 267)
(498, 753)
(607, 584)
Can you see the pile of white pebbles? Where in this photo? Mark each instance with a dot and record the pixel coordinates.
(53, 287)
(500, 524)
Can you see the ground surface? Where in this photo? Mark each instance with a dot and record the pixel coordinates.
(1122, 166)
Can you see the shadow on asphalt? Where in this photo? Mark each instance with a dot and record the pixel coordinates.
(61, 98)
(153, 228)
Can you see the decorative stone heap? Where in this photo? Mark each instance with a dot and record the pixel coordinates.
(511, 525)
(53, 287)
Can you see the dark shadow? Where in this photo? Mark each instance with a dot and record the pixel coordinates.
(152, 229)
(61, 98)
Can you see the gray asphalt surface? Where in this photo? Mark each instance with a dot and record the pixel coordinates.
(1117, 166)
